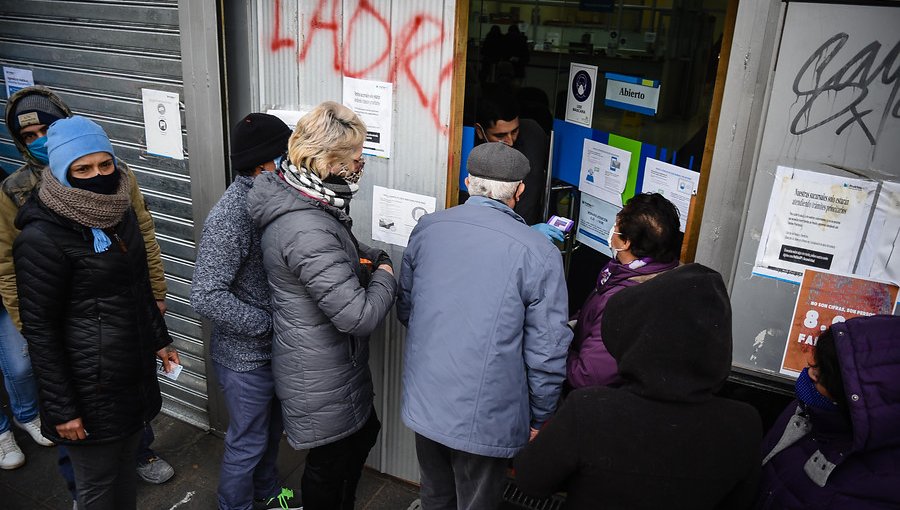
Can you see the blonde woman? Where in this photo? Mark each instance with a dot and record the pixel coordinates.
(325, 302)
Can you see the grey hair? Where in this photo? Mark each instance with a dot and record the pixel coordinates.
(327, 137)
(498, 190)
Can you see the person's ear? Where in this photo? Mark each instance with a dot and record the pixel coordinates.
(626, 243)
(479, 132)
(467, 182)
(519, 190)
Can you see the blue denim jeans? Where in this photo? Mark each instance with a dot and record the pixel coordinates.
(16, 367)
(251, 442)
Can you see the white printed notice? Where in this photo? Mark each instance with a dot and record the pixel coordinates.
(582, 90)
(372, 101)
(673, 182)
(17, 79)
(289, 117)
(814, 220)
(604, 171)
(162, 123)
(880, 256)
(395, 213)
(596, 218)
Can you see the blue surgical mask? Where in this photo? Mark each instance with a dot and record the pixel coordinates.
(38, 150)
(278, 161)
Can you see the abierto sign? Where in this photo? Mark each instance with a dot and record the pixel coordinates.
(632, 93)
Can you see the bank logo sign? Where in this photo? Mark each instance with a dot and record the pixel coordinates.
(632, 93)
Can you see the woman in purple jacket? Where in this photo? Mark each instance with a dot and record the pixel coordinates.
(838, 445)
(645, 242)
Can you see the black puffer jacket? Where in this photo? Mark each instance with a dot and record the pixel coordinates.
(91, 323)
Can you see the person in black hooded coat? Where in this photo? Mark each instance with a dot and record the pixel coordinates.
(661, 439)
(88, 313)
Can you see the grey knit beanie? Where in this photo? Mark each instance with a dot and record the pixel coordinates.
(35, 109)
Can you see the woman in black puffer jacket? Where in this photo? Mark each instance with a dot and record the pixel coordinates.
(88, 313)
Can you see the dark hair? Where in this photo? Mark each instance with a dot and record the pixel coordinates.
(651, 223)
(829, 369)
(497, 107)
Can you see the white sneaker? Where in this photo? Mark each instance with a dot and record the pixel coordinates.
(11, 456)
(34, 430)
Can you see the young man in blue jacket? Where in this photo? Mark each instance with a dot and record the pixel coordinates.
(484, 299)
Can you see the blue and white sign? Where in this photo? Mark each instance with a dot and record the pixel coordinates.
(632, 93)
(582, 90)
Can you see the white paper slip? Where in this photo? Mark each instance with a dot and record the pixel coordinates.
(173, 375)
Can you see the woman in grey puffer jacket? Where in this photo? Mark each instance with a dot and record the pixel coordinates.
(325, 302)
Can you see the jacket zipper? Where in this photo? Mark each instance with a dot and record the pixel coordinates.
(353, 349)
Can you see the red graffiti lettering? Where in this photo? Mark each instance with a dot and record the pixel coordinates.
(318, 24)
(327, 17)
(365, 7)
(279, 42)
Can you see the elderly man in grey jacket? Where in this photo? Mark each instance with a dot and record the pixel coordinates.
(484, 299)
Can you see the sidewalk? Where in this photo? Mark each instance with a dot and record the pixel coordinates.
(195, 455)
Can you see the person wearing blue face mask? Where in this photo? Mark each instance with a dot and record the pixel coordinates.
(29, 113)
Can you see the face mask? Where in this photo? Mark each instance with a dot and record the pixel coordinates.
(352, 176)
(101, 184)
(609, 241)
(38, 150)
(278, 161)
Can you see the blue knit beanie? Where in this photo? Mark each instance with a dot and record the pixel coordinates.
(71, 138)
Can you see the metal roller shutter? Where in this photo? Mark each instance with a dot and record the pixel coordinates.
(98, 55)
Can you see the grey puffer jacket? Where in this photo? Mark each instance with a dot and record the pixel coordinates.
(324, 306)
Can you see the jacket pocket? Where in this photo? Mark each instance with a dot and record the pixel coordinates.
(353, 350)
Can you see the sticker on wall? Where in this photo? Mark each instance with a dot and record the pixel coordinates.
(595, 219)
(632, 93)
(604, 171)
(814, 220)
(372, 102)
(675, 183)
(17, 79)
(825, 299)
(582, 90)
(396, 213)
(162, 123)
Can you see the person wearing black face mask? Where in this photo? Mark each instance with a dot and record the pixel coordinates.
(83, 277)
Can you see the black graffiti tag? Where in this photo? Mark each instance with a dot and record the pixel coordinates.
(853, 79)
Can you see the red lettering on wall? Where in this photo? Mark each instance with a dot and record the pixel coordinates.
(326, 16)
(279, 42)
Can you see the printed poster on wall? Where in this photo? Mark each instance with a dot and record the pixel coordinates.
(814, 220)
(582, 90)
(396, 213)
(825, 299)
(17, 79)
(162, 123)
(604, 171)
(595, 219)
(880, 256)
(673, 182)
(372, 101)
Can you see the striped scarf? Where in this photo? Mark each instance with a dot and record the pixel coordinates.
(336, 191)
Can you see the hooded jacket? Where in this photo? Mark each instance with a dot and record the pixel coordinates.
(589, 363)
(91, 324)
(843, 461)
(484, 299)
(324, 306)
(660, 440)
(19, 186)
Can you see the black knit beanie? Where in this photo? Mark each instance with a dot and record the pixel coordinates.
(35, 109)
(256, 139)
